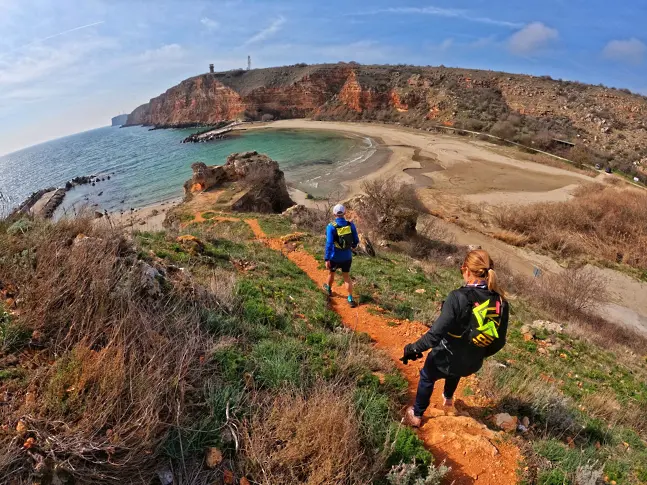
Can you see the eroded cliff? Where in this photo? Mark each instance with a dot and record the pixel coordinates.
(525, 108)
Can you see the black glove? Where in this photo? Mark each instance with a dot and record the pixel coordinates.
(410, 353)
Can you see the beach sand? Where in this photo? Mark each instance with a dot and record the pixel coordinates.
(459, 166)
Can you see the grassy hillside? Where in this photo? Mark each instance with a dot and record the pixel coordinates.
(214, 359)
(126, 357)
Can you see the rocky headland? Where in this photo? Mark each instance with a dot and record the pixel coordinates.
(603, 122)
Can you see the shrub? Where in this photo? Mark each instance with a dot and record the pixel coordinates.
(297, 438)
(503, 129)
(413, 474)
(389, 208)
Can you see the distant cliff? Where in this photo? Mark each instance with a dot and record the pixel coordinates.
(120, 120)
(532, 110)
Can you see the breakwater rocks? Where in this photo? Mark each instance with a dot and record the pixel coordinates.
(44, 202)
(219, 131)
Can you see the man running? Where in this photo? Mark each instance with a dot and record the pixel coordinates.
(341, 237)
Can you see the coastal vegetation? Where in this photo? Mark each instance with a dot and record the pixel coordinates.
(206, 353)
(601, 223)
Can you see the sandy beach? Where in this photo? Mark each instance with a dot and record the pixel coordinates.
(454, 165)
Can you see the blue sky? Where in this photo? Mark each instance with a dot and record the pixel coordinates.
(68, 66)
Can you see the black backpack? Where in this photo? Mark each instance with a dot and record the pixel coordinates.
(484, 319)
(343, 236)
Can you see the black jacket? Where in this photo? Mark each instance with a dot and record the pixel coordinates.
(458, 356)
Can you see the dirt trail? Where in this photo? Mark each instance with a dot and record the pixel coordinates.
(475, 453)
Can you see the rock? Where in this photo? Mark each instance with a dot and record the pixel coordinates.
(213, 457)
(21, 427)
(506, 422)
(165, 476)
(473, 247)
(228, 477)
(295, 236)
(259, 182)
(98, 215)
(244, 481)
(191, 244)
(548, 326)
(365, 246)
(420, 291)
(525, 421)
(150, 280)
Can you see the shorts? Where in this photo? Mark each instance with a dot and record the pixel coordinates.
(344, 266)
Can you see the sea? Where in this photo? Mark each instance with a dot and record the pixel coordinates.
(138, 167)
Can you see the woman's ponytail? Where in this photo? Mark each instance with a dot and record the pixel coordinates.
(481, 265)
(493, 283)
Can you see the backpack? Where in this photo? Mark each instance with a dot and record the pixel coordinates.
(484, 320)
(343, 236)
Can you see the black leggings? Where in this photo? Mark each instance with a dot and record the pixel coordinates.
(428, 377)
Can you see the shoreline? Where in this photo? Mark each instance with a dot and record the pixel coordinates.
(434, 161)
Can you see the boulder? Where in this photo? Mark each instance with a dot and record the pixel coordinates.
(506, 422)
(259, 184)
(191, 244)
(298, 214)
(548, 326)
(365, 246)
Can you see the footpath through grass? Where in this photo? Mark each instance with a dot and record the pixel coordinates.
(587, 405)
(280, 338)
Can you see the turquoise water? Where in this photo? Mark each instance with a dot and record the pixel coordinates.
(146, 167)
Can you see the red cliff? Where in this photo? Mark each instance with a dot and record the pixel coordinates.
(603, 119)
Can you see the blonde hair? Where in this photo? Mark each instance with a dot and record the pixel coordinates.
(481, 265)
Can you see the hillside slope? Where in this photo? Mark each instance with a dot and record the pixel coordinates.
(530, 109)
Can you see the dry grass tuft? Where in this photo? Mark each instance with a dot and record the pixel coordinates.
(313, 440)
(602, 222)
(124, 348)
(512, 238)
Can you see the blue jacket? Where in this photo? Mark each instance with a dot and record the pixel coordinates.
(335, 254)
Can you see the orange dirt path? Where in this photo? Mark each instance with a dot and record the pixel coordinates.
(475, 453)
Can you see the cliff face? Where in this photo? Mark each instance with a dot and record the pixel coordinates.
(605, 119)
(119, 120)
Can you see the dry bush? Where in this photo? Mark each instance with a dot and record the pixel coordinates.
(512, 238)
(311, 439)
(125, 349)
(432, 241)
(574, 295)
(570, 293)
(602, 222)
(389, 209)
(312, 219)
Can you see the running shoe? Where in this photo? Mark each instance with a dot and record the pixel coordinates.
(327, 289)
(352, 302)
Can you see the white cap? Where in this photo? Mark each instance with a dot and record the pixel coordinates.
(339, 210)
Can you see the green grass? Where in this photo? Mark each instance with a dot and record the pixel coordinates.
(284, 337)
(13, 336)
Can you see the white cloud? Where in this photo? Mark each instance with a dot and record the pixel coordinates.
(268, 32)
(444, 46)
(631, 51)
(445, 12)
(532, 38)
(37, 61)
(168, 52)
(209, 23)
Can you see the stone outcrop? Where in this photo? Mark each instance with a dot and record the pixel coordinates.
(253, 181)
(119, 120)
(603, 118)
